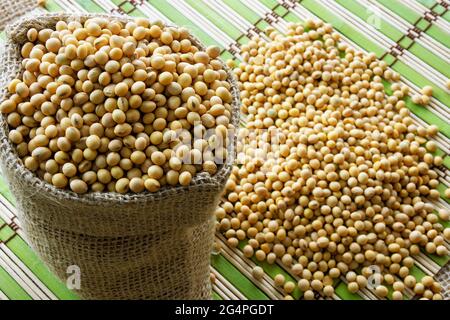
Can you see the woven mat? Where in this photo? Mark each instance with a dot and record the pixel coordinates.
(412, 36)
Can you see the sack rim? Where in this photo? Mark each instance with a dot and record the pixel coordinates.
(202, 181)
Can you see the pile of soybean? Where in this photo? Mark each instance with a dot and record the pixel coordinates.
(334, 177)
(108, 106)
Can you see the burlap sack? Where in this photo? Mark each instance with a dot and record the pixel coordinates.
(11, 9)
(133, 246)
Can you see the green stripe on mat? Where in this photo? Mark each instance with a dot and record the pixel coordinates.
(281, 11)
(215, 18)
(400, 9)
(394, 34)
(90, 6)
(342, 26)
(446, 16)
(438, 9)
(269, 3)
(226, 56)
(363, 41)
(441, 188)
(390, 291)
(31, 260)
(174, 15)
(361, 11)
(6, 232)
(243, 10)
(417, 273)
(439, 260)
(272, 5)
(343, 293)
(52, 6)
(412, 16)
(421, 111)
(216, 296)
(247, 14)
(447, 161)
(11, 288)
(273, 269)
(431, 59)
(291, 17)
(4, 191)
(262, 25)
(129, 8)
(21, 249)
(426, 3)
(237, 279)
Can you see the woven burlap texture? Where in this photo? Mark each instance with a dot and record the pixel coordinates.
(12, 9)
(132, 246)
(443, 276)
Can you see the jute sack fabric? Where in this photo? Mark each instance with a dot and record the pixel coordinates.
(11, 9)
(443, 276)
(132, 246)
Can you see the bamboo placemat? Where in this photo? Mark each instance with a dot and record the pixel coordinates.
(412, 36)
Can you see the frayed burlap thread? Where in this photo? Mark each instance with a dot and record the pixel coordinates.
(132, 246)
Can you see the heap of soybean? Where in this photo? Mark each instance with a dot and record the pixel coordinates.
(335, 178)
(108, 106)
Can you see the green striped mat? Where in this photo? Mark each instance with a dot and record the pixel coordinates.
(412, 36)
